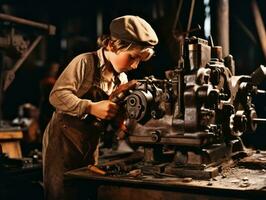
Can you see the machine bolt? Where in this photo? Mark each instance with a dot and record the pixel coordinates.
(156, 136)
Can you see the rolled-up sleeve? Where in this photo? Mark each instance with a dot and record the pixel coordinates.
(65, 94)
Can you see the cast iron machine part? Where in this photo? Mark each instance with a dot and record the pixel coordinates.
(208, 106)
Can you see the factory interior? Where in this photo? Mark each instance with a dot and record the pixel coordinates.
(190, 122)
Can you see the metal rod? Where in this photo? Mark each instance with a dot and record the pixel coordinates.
(246, 30)
(221, 26)
(260, 26)
(50, 28)
(190, 16)
(27, 53)
(11, 76)
(259, 120)
(177, 15)
(261, 91)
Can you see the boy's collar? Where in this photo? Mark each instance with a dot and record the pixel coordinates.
(102, 65)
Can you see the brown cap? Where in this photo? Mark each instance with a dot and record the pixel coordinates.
(133, 29)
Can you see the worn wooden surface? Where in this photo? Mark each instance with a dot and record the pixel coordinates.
(234, 183)
(10, 143)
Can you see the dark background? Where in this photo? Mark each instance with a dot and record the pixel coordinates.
(76, 23)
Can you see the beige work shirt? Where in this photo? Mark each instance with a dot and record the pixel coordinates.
(76, 80)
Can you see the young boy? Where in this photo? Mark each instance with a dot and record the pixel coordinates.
(70, 142)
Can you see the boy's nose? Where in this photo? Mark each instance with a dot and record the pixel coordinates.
(135, 64)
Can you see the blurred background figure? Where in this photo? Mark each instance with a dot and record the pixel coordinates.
(46, 85)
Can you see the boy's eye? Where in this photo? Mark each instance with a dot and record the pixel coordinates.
(132, 57)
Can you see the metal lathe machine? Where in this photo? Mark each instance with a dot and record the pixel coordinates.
(191, 123)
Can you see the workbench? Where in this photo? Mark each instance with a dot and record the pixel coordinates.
(237, 182)
(10, 142)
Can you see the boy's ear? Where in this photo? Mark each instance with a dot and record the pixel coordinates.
(110, 47)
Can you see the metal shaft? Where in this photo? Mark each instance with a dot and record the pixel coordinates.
(261, 91)
(48, 27)
(259, 120)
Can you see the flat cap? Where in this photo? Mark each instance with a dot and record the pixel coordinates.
(133, 29)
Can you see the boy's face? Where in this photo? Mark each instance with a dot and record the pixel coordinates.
(124, 61)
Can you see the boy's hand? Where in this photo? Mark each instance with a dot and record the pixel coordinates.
(105, 109)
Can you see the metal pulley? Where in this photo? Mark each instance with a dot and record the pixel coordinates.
(238, 123)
